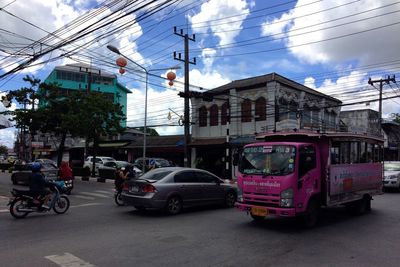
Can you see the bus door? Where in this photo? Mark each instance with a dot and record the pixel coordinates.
(308, 175)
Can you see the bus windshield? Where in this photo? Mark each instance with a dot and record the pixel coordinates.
(268, 160)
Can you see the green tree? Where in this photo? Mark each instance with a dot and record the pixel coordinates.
(395, 117)
(94, 117)
(150, 131)
(24, 115)
(3, 150)
(89, 115)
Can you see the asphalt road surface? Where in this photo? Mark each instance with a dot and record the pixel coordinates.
(95, 232)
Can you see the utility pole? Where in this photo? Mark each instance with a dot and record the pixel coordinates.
(187, 158)
(381, 82)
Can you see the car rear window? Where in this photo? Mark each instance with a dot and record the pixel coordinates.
(155, 175)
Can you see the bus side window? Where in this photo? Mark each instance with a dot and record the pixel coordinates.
(307, 160)
(335, 153)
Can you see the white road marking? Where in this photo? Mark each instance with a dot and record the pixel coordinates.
(83, 197)
(94, 194)
(105, 192)
(4, 211)
(68, 260)
(85, 205)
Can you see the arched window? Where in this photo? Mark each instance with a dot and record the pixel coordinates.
(246, 110)
(306, 116)
(261, 114)
(287, 110)
(224, 113)
(203, 116)
(214, 115)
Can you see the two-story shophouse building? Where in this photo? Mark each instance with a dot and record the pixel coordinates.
(241, 109)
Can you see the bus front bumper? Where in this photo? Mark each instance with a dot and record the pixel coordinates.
(264, 211)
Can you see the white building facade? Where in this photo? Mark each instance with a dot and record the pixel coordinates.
(243, 108)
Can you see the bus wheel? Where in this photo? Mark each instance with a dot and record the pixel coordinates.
(362, 206)
(310, 218)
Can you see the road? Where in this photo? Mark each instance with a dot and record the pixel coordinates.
(95, 232)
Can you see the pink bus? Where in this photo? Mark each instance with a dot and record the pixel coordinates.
(296, 173)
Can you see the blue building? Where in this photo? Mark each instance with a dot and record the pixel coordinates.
(72, 77)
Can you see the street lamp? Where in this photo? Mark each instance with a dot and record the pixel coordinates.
(116, 50)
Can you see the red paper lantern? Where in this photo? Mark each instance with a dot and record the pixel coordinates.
(121, 62)
(121, 70)
(171, 83)
(171, 75)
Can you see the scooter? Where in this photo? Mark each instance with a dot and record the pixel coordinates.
(23, 202)
(69, 185)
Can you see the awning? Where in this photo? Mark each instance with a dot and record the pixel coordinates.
(242, 140)
(207, 141)
(113, 144)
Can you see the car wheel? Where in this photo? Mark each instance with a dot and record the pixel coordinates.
(230, 199)
(14, 182)
(174, 205)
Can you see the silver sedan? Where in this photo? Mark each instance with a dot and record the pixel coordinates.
(173, 188)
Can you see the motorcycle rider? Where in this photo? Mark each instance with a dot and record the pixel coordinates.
(38, 184)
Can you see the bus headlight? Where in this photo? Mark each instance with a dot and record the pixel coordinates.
(287, 198)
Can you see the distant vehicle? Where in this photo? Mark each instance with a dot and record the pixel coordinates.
(159, 162)
(119, 163)
(391, 177)
(46, 161)
(173, 188)
(99, 162)
(49, 170)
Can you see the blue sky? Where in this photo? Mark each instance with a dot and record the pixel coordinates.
(331, 46)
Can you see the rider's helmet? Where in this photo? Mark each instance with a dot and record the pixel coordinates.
(36, 166)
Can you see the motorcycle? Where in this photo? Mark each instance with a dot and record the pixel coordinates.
(69, 184)
(23, 202)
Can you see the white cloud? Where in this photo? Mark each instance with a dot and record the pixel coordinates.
(7, 137)
(217, 9)
(361, 47)
(208, 58)
(354, 88)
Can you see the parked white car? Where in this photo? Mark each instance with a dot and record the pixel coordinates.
(99, 162)
(391, 175)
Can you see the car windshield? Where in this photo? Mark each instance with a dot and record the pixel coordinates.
(162, 163)
(395, 166)
(268, 160)
(157, 174)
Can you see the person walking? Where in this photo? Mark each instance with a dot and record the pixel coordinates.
(66, 176)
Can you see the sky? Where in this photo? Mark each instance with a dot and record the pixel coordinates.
(331, 46)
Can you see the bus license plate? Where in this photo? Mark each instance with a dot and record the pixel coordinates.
(259, 211)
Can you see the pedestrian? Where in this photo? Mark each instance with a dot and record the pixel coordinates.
(65, 171)
(120, 177)
(131, 172)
